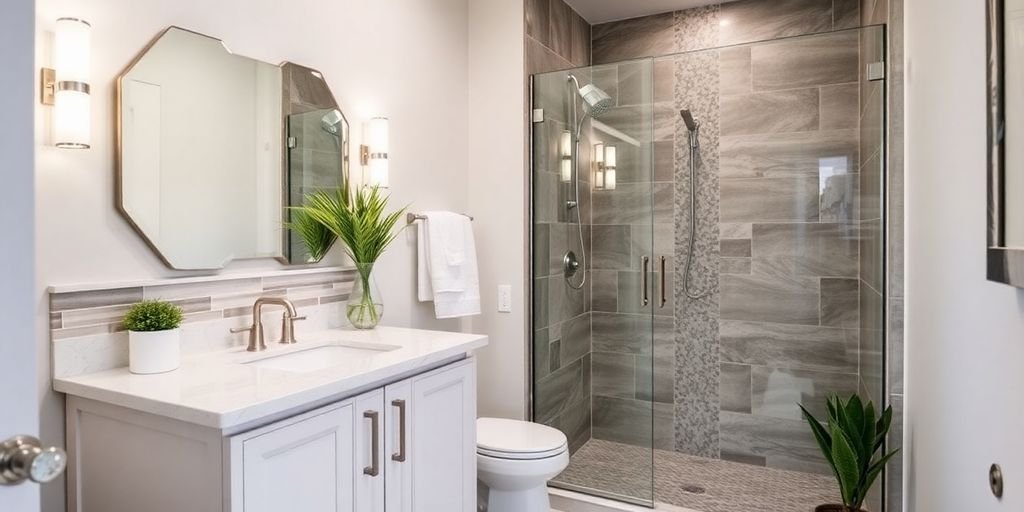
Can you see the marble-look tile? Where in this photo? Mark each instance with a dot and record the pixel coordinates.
(810, 249)
(735, 230)
(874, 12)
(612, 247)
(541, 306)
(871, 343)
(735, 248)
(115, 314)
(541, 250)
(557, 391)
(655, 376)
(633, 38)
(780, 154)
(540, 59)
(541, 354)
(664, 160)
(94, 298)
(777, 391)
(636, 82)
(894, 470)
(606, 78)
(871, 257)
(840, 106)
(575, 340)
(845, 14)
(564, 302)
(613, 374)
(735, 387)
(554, 354)
(784, 443)
(574, 422)
(778, 299)
(538, 20)
(813, 348)
(624, 333)
(734, 70)
(755, 20)
(838, 201)
(840, 303)
(663, 243)
(299, 280)
(580, 41)
(872, 122)
(870, 184)
(734, 266)
(631, 203)
(794, 110)
(664, 80)
(561, 16)
(820, 60)
(630, 421)
(697, 28)
(895, 345)
(770, 199)
(604, 286)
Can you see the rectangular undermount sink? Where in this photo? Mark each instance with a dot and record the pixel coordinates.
(321, 357)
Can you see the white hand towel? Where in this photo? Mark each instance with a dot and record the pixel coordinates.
(446, 265)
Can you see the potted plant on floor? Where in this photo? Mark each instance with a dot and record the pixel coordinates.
(850, 441)
(154, 337)
(366, 230)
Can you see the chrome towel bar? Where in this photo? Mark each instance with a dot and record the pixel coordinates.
(413, 217)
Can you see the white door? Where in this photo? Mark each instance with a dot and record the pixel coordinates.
(18, 361)
(304, 466)
(442, 434)
(369, 452)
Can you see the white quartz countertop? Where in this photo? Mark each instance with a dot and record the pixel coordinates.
(233, 387)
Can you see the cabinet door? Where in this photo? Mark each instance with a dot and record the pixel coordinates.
(439, 471)
(303, 466)
(368, 463)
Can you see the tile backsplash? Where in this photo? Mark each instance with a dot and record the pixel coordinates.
(88, 336)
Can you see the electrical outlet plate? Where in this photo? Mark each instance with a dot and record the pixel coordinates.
(504, 298)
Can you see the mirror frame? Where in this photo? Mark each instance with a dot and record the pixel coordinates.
(285, 256)
(1005, 264)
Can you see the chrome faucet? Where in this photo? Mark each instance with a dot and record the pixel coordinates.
(256, 341)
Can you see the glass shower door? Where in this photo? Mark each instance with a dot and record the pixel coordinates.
(596, 275)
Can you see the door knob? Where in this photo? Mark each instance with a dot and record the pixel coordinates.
(23, 458)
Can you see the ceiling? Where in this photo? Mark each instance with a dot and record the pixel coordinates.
(602, 11)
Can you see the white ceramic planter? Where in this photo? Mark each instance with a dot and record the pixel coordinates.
(154, 352)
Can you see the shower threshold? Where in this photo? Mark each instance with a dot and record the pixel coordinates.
(696, 483)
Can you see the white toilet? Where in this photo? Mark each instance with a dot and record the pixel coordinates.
(515, 459)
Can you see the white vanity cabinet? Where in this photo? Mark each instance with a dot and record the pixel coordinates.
(405, 446)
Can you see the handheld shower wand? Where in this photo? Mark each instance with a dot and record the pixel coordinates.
(693, 127)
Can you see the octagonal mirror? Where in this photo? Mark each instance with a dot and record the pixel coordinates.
(215, 147)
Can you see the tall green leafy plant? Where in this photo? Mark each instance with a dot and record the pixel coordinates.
(850, 440)
(364, 226)
(317, 238)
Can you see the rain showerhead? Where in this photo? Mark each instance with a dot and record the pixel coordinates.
(691, 124)
(331, 120)
(595, 101)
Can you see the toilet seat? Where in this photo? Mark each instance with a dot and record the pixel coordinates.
(518, 440)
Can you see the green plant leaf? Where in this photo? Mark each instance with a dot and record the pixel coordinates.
(153, 315)
(846, 465)
(873, 472)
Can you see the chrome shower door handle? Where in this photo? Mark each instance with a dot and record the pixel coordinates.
(662, 284)
(400, 456)
(374, 468)
(644, 264)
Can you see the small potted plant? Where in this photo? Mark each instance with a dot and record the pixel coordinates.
(154, 337)
(851, 440)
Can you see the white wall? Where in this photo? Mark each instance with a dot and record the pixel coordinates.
(497, 197)
(965, 336)
(405, 59)
(18, 405)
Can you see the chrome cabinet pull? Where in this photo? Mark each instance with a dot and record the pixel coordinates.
(644, 263)
(374, 468)
(400, 456)
(662, 286)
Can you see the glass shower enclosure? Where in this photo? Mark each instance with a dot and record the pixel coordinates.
(707, 244)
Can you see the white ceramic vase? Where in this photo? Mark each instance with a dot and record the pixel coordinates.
(154, 351)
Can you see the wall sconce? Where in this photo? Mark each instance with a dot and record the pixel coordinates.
(67, 86)
(605, 166)
(374, 154)
(565, 152)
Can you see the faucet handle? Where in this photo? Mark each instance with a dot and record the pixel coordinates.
(288, 328)
(236, 330)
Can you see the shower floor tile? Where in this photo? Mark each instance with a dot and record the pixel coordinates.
(707, 485)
